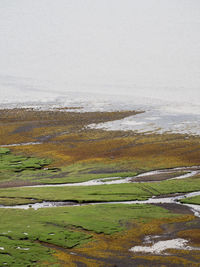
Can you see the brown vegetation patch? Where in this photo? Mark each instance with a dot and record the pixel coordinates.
(67, 140)
(192, 234)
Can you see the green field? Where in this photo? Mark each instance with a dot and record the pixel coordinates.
(118, 192)
(11, 165)
(22, 230)
(191, 200)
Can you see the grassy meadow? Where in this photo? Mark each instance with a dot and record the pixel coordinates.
(63, 227)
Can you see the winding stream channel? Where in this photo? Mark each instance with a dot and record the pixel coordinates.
(153, 200)
(152, 244)
(151, 176)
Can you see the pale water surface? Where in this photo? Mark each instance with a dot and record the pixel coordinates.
(54, 52)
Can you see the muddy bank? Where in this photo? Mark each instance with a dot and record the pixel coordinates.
(19, 183)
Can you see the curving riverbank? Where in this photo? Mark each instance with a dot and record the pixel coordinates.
(151, 176)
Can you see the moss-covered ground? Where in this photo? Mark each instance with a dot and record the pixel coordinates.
(11, 164)
(23, 231)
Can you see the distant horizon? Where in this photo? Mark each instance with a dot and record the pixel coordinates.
(23, 90)
(149, 48)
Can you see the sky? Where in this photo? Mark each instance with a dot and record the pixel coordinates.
(149, 48)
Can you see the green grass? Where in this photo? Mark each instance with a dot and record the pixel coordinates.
(14, 163)
(80, 194)
(118, 192)
(22, 253)
(4, 151)
(191, 200)
(16, 201)
(57, 226)
(174, 186)
(15, 168)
